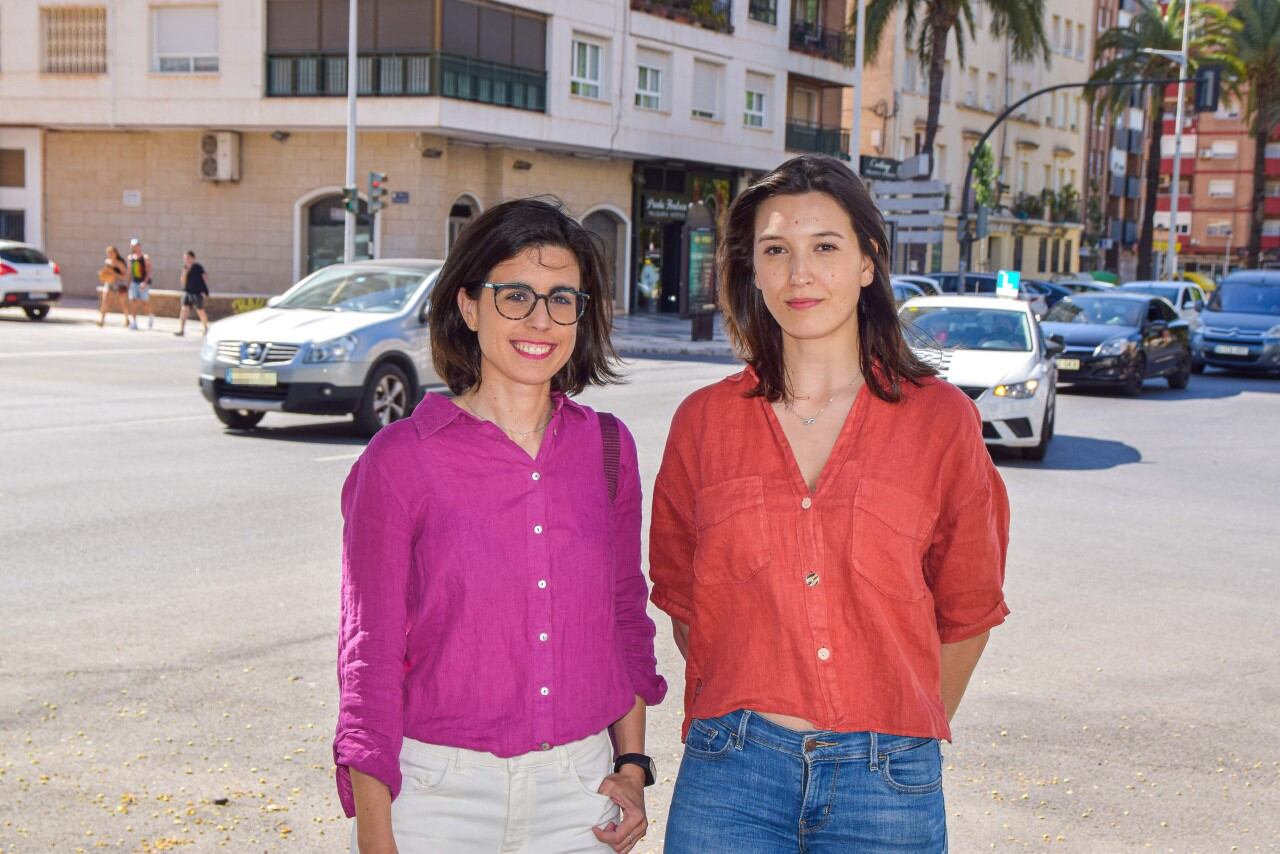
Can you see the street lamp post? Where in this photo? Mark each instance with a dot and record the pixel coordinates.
(349, 220)
(855, 143)
(1179, 57)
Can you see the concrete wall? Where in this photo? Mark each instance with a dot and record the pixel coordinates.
(250, 234)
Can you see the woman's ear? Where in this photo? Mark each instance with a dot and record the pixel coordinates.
(469, 309)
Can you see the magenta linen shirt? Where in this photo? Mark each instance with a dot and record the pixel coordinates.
(489, 601)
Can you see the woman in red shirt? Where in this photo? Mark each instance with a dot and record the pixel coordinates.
(832, 589)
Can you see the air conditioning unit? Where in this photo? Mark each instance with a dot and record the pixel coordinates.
(1206, 154)
(220, 156)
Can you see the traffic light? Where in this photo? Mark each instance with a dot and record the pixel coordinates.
(377, 191)
(1208, 88)
(350, 200)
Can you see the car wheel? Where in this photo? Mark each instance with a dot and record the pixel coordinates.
(1181, 376)
(1197, 366)
(1137, 374)
(238, 419)
(1037, 451)
(36, 312)
(385, 400)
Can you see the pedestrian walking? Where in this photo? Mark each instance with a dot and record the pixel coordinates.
(495, 658)
(829, 540)
(139, 264)
(114, 278)
(195, 287)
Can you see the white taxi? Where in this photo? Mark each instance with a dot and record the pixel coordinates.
(993, 350)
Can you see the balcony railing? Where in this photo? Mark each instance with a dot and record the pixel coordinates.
(419, 74)
(818, 139)
(712, 14)
(821, 41)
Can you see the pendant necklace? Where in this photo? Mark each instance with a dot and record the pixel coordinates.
(808, 421)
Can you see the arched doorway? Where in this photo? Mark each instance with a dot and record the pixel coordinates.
(464, 209)
(611, 228)
(325, 220)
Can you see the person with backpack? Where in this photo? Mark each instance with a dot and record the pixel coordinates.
(195, 287)
(495, 658)
(139, 266)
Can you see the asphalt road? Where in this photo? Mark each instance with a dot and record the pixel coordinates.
(168, 605)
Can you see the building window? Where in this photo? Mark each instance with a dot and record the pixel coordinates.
(1219, 228)
(74, 40)
(909, 67)
(1272, 188)
(13, 167)
(13, 225)
(1079, 41)
(185, 39)
(1271, 228)
(764, 11)
(586, 73)
(1222, 188)
(463, 210)
(755, 114)
(648, 87)
(1224, 149)
(1068, 48)
(706, 89)
(993, 86)
(971, 90)
(1056, 46)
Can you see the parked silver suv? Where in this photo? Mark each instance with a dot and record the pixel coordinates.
(348, 339)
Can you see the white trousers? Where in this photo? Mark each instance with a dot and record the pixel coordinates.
(456, 801)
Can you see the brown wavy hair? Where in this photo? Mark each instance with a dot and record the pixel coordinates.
(497, 235)
(883, 355)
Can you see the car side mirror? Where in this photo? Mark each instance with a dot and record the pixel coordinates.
(1198, 305)
(274, 301)
(1055, 345)
(422, 312)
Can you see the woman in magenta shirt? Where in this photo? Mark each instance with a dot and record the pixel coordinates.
(495, 658)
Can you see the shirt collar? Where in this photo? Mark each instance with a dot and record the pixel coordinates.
(437, 411)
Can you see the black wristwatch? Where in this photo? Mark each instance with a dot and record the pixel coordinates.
(636, 759)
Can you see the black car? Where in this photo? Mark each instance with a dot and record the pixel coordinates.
(1120, 340)
(1240, 325)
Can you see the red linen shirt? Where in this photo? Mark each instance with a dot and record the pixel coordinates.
(829, 605)
(489, 601)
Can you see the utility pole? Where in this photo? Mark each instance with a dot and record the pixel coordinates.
(349, 219)
(859, 48)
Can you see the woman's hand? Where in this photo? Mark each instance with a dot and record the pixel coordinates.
(373, 815)
(626, 789)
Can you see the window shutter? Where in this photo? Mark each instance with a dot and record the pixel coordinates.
(186, 30)
(704, 88)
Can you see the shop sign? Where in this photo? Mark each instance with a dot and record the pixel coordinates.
(665, 208)
(702, 270)
(880, 168)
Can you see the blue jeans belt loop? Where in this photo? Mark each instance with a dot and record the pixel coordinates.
(741, 738)
(873, 753)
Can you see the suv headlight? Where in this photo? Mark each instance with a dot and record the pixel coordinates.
(337, 350)
(1018, 391)
(1114, 347)
(1273, 332)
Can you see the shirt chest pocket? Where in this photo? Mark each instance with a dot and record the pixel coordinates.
(733, 542)
(889, 536)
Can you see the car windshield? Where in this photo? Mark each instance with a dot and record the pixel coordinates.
(1169, 292)
(1106, 311)
(954, 328)
(1246, 298)
(22, 255)
(340, 288)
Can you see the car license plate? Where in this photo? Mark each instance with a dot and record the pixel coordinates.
(1068, 364)
(37, 296)
(240, 376)
(1231, 350)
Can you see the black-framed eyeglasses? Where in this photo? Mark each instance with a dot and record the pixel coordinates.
(516, 301)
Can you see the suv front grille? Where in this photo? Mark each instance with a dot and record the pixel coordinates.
(974, 391)
(1230, 333)
(252, 392)
(269, 353)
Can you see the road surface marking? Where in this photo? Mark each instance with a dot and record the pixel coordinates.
(67, 428)
(45, 354)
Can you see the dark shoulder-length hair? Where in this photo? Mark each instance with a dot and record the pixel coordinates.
(884, 357)
(497, 235)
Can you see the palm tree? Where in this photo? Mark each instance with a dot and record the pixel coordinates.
(930, 24)
(1257, 47)
(1156, 28)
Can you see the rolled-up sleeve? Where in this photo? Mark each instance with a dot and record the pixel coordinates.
(376, 547)
(672, 534)
(635, 630)
(965, 565)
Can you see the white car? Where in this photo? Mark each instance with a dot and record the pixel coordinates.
(1186, 298)
(929, 286)
(28, 279)
(993, 350)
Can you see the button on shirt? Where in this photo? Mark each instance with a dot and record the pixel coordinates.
(490, 601)
(828, 604)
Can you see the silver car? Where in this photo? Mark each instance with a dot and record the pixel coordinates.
(350, 339)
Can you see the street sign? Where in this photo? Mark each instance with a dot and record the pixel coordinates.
(1008, 283)
(915, 167)
(914, 207)
(919, 237)
(879, 168)
(400, 197)
(914, 220)
(892, 204)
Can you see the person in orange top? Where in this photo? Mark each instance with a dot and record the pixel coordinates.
(829, 539)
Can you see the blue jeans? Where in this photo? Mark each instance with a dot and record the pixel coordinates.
(750, 786)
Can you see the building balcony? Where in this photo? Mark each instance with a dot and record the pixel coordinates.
(1271, 206)
(1188, 164)
(821, 41)
(712, 14)
(1271, 241)
(407, 75)
(818, 139)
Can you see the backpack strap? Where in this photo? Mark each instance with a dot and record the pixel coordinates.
(609, 442)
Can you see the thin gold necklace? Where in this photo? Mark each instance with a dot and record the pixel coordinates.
(808, 421)
(526, 434)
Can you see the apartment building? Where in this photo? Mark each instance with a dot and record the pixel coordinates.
(1039, 151)
(218, 126)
